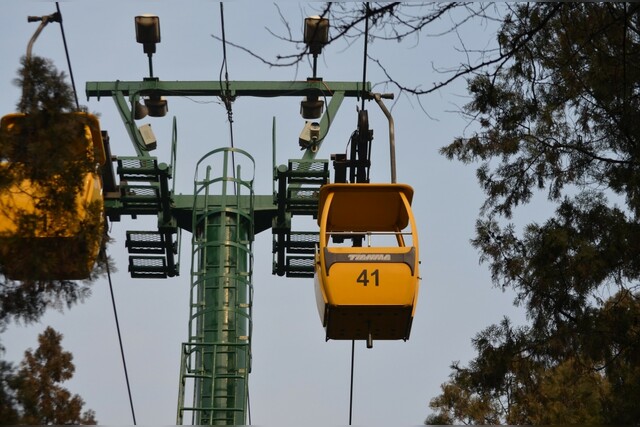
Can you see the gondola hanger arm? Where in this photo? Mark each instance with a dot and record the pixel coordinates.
(44, 20)
(392, 143)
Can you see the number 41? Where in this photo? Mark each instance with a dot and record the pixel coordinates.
(364, 277)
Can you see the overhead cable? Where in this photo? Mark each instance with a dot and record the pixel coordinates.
(366, 45)
(227, 92)
(66, 51)
(115, 314)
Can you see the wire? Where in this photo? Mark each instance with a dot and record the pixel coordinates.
(248, 406)
(353, 352)
(106, 259)
(366, 45)
(66, 51)
(364, 81)
(227, 98)
(115, 314)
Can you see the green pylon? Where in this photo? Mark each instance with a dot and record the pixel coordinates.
(217, 358)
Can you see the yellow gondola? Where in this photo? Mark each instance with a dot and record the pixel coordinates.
(65, 245)
(367, 291)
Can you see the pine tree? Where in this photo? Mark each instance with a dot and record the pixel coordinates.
(34, 394)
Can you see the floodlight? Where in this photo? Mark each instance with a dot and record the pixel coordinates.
(156, 106)
(139, 111)
(311, 107)
(316, 33)
(148, 32)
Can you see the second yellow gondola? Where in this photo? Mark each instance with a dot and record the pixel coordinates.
(35, 243)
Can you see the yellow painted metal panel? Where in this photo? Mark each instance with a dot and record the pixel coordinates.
(65, 243)
(365, 207)
(92, 141)
(21, 199)
(68, 240)
(369, 283)
(321, 297)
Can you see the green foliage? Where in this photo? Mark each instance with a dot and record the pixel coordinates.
(8, 406)
(43, 155)
(563, 117)
(27, 301)
(564, 112)
(33, 394)
(43, 164)
(44, 88)
(584, 372)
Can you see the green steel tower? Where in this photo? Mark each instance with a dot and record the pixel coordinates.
(217, 357)
(223, 214)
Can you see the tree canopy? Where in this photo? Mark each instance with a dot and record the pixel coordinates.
(32, 394)
(561, 118)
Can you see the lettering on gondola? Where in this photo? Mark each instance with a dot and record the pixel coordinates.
(408, 258)
(369, 257)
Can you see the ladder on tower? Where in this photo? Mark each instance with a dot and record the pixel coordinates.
(228, 386)
(216, 360)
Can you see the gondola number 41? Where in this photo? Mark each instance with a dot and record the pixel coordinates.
(365, 277)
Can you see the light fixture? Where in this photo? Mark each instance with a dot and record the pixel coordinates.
(316, 35)
(148, 34)
(311, 107)
(156, 106)
(139, 111)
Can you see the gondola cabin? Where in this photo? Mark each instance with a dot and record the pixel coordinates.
(41, 239)
(366, 271)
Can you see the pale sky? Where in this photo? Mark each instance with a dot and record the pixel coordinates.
(296, 376)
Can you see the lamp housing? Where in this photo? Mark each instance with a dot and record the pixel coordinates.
(148, 32)
(139, 111)
(316, 33)
(156, 106)
(311, 107)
